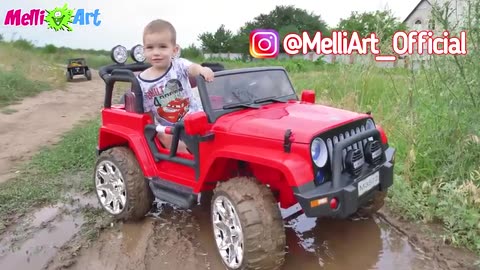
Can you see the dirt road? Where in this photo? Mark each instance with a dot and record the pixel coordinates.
(173, 239)
(41, 120)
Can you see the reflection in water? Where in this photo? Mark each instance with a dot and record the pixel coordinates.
(330, 244)
(336, 244)
(333, 244)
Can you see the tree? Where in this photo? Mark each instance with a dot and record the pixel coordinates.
(283, 19)
(219, 42)
(382, 23)
(191, 52)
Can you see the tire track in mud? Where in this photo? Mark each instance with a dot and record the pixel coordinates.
(166, 240)
(37, 237)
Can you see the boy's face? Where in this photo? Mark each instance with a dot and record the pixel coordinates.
(159, 49)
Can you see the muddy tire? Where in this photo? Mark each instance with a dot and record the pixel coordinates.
(134, 197)
(373, 205)
(69, 76)
(258, 218)
(88, 74)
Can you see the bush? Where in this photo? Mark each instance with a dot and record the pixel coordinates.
(14, 86)
(50, 49)
(23, 44)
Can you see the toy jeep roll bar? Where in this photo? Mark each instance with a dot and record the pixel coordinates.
(123, 73)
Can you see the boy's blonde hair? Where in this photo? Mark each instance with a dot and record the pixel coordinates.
(159, 25)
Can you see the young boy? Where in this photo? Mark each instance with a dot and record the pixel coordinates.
(167, 93)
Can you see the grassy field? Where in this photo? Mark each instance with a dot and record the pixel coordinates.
(430, 115)
(26, 70)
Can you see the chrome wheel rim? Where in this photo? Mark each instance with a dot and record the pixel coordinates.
(110, 187)
(227, 232)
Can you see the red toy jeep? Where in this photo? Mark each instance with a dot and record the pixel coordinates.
(256, 145)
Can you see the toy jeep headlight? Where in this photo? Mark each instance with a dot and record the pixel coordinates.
(137, 53)
(119, 54)
(319, 152)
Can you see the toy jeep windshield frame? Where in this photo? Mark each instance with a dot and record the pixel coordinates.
(236, 89)
(230, 91)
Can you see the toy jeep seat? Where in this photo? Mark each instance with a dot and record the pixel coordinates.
(129, 98)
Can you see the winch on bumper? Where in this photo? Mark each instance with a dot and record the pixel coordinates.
(348, 190)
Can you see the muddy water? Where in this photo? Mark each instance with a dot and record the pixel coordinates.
(336, 245)
(176, 239)
(37, 238)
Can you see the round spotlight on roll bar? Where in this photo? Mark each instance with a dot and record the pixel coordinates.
(119, 54)
(137, 53)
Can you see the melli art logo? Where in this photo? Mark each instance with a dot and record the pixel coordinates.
(57, 19)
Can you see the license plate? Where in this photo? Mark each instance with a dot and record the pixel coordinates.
(368, 183)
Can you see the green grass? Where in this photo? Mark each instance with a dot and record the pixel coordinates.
(24, 73)
(27, 70)
(14, 86)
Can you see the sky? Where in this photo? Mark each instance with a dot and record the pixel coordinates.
(122, 21)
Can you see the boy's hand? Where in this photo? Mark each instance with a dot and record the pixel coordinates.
(207, 73)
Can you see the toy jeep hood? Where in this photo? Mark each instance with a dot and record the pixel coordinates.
(272, 120)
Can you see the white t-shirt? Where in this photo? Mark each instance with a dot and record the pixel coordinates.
(170, 96)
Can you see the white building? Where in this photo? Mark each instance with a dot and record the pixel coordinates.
(420, 18)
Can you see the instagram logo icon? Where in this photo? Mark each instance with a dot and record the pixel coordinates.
(264, 43)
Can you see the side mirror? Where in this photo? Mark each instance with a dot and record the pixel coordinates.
(308, 96)
(196, 123)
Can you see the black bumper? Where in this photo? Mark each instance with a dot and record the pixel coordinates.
(77, 70)
(345, 189)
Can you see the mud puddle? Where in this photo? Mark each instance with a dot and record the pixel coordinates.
(175, 239)
(36, 238)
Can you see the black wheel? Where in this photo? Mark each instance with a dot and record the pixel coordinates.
(69, 76)
(120, 185)
(247, 225)
(88, 74)
(373, 205)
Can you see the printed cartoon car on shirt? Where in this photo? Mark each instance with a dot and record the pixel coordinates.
(257, 152)
(174, 110)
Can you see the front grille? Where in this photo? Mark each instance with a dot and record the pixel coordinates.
(341, 133)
